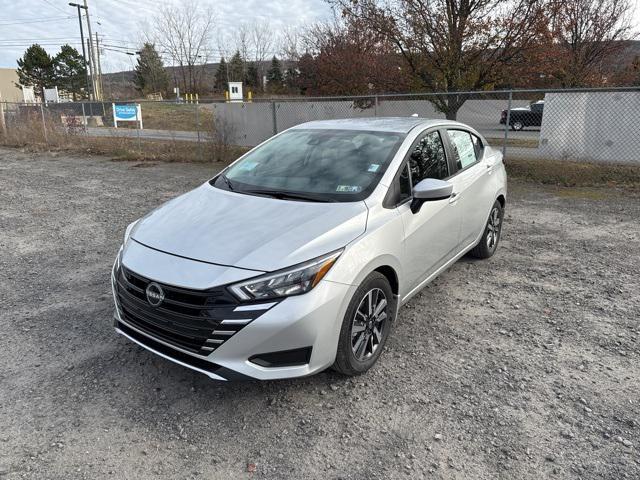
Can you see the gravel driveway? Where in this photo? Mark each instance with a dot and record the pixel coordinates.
(523, 366)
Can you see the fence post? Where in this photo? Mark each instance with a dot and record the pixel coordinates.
(84, 121)
(44, 125)
(275, 117)
(3, 125)
(506, 125)
(138, 135)
(375, 106)
(198, 129)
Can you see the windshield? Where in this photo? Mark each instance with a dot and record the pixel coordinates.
(314, 165)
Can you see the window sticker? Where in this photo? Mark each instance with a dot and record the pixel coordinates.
(348, 188)
(374, 167)
(248, 166)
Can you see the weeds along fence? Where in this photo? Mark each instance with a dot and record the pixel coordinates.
(595, 125)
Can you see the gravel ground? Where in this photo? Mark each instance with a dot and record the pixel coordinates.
(523, 366)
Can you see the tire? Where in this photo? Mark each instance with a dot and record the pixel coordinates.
(491, 235)
(359, 351)
(517, 125)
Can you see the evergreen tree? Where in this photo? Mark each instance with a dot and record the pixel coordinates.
(36, 69)
(150, 75)
(292, 79)
(274, 75)
(221, 81)
(252, 79)
(71, 72)
(236, 68)
(307, 73)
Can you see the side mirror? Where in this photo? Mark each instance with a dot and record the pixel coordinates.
(430, 190)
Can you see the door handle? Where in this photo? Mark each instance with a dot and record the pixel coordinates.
(454, 197)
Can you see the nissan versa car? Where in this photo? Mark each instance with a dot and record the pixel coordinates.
(297, 256)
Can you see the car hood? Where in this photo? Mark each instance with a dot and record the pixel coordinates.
(250, 232)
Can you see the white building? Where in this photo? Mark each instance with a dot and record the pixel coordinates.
(235, 92)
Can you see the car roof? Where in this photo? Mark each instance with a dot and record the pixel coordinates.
(376, 124)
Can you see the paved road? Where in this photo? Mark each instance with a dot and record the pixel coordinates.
(146, 133)
(491, 133)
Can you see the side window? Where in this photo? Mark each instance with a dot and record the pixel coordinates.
(428, 159)
(464, 151)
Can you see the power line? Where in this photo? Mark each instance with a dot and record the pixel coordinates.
(48, 39)
(13, 45)
(54, 5)
(51, 19)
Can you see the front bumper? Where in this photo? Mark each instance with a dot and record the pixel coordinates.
(309, 322)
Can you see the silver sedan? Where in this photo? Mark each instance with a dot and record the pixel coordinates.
(297, 256)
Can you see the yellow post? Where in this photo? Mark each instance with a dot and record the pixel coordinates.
(249, 96)
(226, 95)
(197, 99)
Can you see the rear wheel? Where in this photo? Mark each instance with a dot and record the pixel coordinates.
(517, 125)
(491, 236)
(365, 326)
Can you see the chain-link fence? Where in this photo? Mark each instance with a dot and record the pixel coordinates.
(599, 125)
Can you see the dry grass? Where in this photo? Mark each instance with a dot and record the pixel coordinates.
(31, 136)
(514, 142)
(574, 174)
(179, 117)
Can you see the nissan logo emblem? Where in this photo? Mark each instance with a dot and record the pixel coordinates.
(155, 294)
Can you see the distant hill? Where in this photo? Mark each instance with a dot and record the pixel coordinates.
(120, 84)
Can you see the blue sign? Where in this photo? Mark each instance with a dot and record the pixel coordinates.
(126, 112)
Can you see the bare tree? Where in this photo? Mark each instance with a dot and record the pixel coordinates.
(290, 43)
(451, 45)
(586, 33)
(263, 42)
(184, 33)
(242, 37)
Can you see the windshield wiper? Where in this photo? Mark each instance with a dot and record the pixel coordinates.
(227, 181)
(285, 195)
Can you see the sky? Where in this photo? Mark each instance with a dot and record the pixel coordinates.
(52, 23)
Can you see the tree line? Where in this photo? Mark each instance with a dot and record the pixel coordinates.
(387, 46)
(66, 70)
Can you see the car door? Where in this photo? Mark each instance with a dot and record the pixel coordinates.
(431, 234)
(537, 109)
(471, 182)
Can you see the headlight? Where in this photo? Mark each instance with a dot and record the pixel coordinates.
(127, 232)
(295, 280)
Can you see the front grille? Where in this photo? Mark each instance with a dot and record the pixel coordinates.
(193, 320)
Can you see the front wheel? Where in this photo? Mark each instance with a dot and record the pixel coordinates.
(491, 236)
(365, 326)
(517, 125)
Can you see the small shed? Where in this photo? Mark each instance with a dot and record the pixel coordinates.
(235, 91)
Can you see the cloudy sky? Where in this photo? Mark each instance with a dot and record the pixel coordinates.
(118, 22)
(53, 22)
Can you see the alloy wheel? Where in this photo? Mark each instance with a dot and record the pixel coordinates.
(493, 229)
(369, 324)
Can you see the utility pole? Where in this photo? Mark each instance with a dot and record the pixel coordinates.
(84, 53)
(92, 55)
(99, 68)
